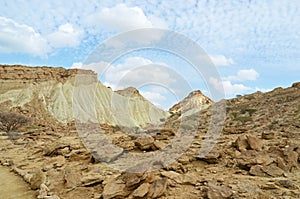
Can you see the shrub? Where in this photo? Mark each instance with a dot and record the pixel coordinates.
(12, 121)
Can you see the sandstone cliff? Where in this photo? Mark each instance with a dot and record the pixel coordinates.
(71, 94)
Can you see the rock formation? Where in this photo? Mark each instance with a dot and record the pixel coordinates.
(195, 100)
(73, 94)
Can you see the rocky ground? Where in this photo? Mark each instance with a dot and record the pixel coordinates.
(256, 156)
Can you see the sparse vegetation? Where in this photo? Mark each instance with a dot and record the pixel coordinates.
(245, 109)
(243, 119)
(12, 121)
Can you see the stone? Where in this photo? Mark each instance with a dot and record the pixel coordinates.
(171, 175)
(72, 178)
(141, 191)
(35, 179)
(43, 191)
(268, 135)
(212, 157)
(145, 142)
(157, 188)
(264, 159)
(254, 143)
(273, 170)
(91, 179)
(257, 170)
(159, 145)
(114, 189)
(218, 192)
(132, 180)
(242, 144)
(286, 184)
(106, 152)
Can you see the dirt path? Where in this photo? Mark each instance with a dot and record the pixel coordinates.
(13, 186)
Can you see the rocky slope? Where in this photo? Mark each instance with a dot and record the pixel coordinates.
(195, 100)
(256, 155)
(71, 94)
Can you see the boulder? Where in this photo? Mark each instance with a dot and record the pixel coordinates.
(145, 142)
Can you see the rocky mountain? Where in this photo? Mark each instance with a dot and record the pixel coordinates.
(131, 92)
(195, 100)
(256, 154)
(72, 94)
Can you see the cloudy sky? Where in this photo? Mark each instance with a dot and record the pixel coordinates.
(254, 45)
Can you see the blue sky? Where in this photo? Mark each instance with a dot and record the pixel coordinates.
(255, 45)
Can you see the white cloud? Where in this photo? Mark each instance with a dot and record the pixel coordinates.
(77, 65)
(20, 38)
(123, 18)
(65, 36)
(221, 60)
(229, 88)
(244, 75)
(154, 97)
(137, 71)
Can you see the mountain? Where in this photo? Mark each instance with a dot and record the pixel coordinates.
(72, 94)
(131, 92)
(195, 100)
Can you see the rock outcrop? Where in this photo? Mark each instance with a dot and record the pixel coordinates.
(131, 92)
(195, 100)
(72, 94)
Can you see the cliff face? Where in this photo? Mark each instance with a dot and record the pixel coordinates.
(39, 74)
(62, 94)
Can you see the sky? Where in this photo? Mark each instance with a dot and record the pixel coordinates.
(253, 45)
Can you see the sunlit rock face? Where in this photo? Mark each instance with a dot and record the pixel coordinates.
(73, 94)
(195, 100)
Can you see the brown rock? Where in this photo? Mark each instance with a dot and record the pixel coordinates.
(256, 170)
(114, 189)
(159, 145)
(212, 157)
(273, 170)
(286, 184)
(268, 135)
(171, 175)
(264, 159)
(282, 164)
(292, 159)
(132, 180)
(91, 179)
(254, 143)
(141, 191)
(218, 192)
(242, 144)
(72, 178)
(35, 179)
(157, 188)
(145, 142)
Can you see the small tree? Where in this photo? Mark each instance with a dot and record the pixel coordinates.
(12, 121)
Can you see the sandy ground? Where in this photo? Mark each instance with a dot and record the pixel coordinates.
(13, 186)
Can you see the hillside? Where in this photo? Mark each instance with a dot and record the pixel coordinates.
(255, 156)
(66, 95)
